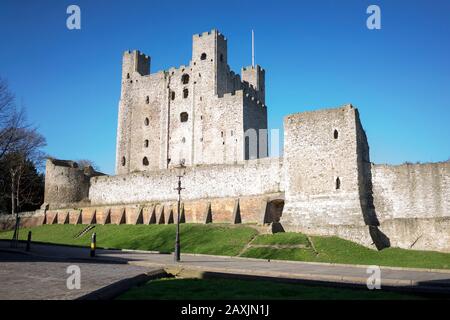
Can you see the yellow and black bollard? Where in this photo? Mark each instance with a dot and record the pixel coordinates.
(93, 244)
(29, 241)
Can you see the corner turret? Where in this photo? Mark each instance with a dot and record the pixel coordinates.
(255, 76)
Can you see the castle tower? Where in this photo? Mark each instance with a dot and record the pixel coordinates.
(328, 180)
(255, 76)
(66, 182)
(210, 60)
(195, 114)
(134, 65)
(134, 62)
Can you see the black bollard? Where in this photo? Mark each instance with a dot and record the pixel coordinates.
(93, 244)
(29, 241)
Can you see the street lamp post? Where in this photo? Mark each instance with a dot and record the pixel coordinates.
(180, 173)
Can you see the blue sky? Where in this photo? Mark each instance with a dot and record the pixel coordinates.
(316, 54)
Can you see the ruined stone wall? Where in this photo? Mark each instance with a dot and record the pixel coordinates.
(411, 190)
(65, 183)
(322, 168)
(403, 206)
(27, 220)
(255, 177)
(234, 210)
(407, 233)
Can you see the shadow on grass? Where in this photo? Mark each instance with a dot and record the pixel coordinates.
(218, 286)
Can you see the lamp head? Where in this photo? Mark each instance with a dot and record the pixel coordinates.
(180, 169)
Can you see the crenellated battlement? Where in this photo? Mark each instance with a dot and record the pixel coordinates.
(231, 95)
(165, 118)
(180, 69)
(136, 52)
(209, 33)
(135, 61)
(254, 68)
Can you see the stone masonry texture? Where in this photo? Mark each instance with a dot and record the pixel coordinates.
(196, 114)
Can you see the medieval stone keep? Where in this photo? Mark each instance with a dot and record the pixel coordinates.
(214, 121)
(195, 114)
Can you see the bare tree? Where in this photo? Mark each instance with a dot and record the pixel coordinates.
(27, 154)
(20, 149)
(12, 121)
(6, 102)
(20, 146)
(84, 163)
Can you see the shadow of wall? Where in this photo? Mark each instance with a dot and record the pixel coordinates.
(380, 240)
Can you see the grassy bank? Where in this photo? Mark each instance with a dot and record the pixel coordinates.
(206, 289)
(196, 238)
(337, 250)
(231, 240)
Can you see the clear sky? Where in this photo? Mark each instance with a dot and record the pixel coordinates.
(316, 54)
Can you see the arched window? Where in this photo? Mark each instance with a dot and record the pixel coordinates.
(338, 183)
(145, 161)
(147, 100)
(146, 121)
(128, 76)
(185, 93)
(173, 95)
(184, 116)
(146, 143)
(203, 56)
(123, 161)
(221, 57)
(336, 134)
(185, 78)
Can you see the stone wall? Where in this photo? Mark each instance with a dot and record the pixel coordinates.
(253, 209)
(66, 183)
(247, 178)
(403, 206)
(323, 168)
(411, 190)
(27, 220)
(407, 233)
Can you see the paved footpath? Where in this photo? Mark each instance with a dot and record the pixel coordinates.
(25, 277)
(117, 264)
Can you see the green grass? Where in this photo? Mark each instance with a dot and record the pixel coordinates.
(293, 254)
(208, 289)
(196, 238)
(288, 238)
(337, 250)
(229, 240)
(334, 249)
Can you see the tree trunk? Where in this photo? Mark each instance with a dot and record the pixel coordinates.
(18, 190)
(13, 193)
